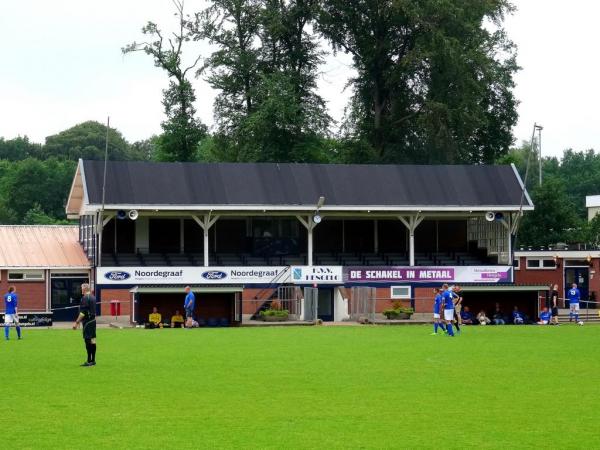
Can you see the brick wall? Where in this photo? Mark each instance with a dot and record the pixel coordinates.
(249, 304)
(123, 295)
(423, 299)
(539, 276)
(32, 294)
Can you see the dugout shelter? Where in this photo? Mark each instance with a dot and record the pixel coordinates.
(247, 234)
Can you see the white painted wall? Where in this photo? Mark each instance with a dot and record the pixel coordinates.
(592, 212)
(340, 306)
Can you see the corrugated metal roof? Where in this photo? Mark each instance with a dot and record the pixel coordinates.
(41, 246)
(247, 184)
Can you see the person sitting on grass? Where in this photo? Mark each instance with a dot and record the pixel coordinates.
(177, 320)
(482, 318)
(499, 316)
(154, 319)
(545, 317)
(467, 316)
(518, 316)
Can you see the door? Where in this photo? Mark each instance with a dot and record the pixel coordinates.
(581, 276)
(311, 301)
(325, 306)
(65, 296)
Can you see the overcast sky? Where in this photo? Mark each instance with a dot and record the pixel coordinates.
(62, 64)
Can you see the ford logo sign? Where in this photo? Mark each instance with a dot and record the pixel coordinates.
(214, 275)
(117, 276)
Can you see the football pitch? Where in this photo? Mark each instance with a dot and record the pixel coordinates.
(305, 387)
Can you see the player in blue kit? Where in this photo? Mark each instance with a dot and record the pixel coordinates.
(545, 317)
(189, 304)
(437, 308)
(574, 296)
(11, 312)
(448, 303)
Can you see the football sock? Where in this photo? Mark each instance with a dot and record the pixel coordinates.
(19, 332)
(93, 349)
(450, 332)
(443, 327)
(6, 328)
(457, 327)
(88, 347)
(570, 316)
(576, 317)
(435, 327)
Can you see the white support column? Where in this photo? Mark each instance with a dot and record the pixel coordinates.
(205, 223)
(412, 223)
(310, 246)
(206, 241)
(310, 226)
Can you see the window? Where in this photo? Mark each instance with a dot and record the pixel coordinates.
(400, 292)
(25, 275)
(576, 263)
(541, 263)
(517, 263)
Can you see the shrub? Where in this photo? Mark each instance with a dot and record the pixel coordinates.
(274, 313)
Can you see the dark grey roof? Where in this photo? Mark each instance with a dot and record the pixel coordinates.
(246, 184)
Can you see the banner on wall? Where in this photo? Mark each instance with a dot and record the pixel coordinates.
(33, 319)
(317, 274)
(191, 275)
(444, 274)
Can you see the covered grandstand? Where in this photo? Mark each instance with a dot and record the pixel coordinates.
(266, 215)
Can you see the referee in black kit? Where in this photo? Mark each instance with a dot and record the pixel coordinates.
(87, 315)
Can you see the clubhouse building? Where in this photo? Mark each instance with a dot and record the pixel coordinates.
(46, 265)
(334, 242)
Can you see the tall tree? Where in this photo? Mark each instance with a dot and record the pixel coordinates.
(265, 69)
(434, 84)
(47, 195)
(86, 140)
(19, 148)
(553, 220)
(182, 131)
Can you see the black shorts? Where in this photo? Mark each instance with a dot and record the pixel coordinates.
(554, 312)
(89, 329)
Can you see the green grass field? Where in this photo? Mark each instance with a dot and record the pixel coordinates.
(305, 387)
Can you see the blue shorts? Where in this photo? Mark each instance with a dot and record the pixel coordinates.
(189, 313)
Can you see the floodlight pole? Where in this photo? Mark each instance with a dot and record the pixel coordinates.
(537, 127)
(540, 128)
(100, 221)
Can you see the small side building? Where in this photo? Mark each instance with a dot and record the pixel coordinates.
(592, 203)
(46, 265)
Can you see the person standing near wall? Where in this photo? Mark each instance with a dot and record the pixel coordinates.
(554, 304)
(189, 305)
(574, 296)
